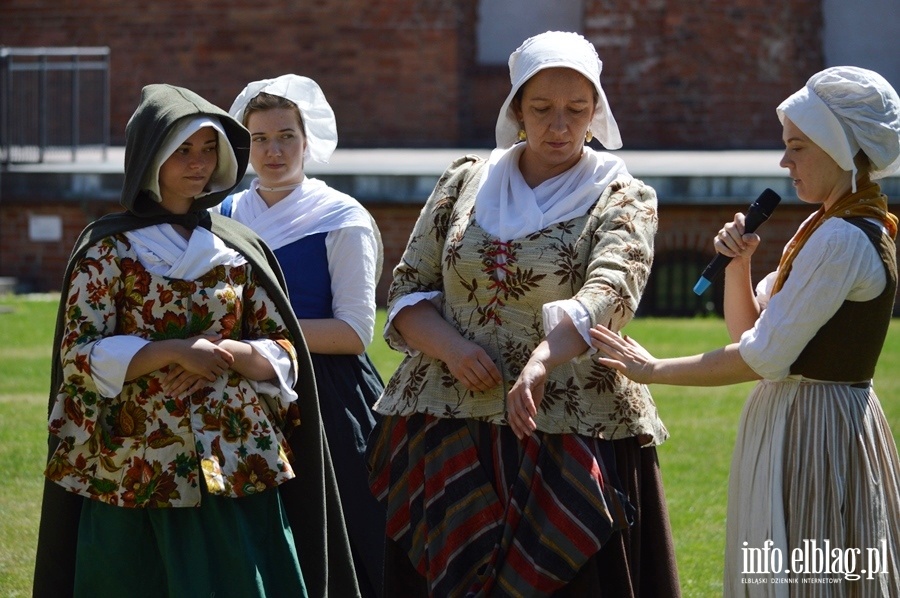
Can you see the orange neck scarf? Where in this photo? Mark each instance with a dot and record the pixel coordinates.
(867, 202)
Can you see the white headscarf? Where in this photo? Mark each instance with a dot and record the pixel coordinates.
(319, 123)
(223, 176)
(557, 49)
(506, 206)
(312, 208)
(844, 109)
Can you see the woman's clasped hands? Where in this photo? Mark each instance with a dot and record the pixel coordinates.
(201, 359)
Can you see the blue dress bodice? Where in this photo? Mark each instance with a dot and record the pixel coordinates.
(310, 292)
(347, 386)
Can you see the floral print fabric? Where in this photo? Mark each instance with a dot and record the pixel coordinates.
(143, 448)
(494, 292)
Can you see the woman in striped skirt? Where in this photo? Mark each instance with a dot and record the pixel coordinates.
(510, 464)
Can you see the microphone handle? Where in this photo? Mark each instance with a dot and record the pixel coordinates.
(754, 218)
(712, 269)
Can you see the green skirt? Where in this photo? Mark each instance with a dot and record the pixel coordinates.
(240, 547)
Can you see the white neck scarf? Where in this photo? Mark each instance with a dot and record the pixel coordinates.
(164, 252)
(508, 208)
(311, 208)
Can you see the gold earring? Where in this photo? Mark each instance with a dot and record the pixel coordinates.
(522, 135)
(588, 136)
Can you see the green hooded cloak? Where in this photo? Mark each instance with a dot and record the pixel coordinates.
(311, 499)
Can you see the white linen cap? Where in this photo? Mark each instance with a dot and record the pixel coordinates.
(844, 109)
(319, 123)
(223, 176)
(557, 49)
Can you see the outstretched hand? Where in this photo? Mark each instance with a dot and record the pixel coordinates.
(623, 354)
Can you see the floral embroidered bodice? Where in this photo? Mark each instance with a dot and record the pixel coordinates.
(494, 293)
(143, 448)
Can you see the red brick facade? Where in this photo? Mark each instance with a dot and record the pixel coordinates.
(39, 266)
(678, 73)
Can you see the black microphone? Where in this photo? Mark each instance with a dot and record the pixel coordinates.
(758, 212)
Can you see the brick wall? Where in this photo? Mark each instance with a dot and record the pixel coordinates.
(39, 266)
(679, 73)
(377, 62)
(705, 74)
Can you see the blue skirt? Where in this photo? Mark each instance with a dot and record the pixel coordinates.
(348, 386)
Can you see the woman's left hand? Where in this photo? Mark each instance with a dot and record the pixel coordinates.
(180, 383)
(623, 354)
(525, 397)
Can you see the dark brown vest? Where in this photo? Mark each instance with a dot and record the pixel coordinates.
(847, 347)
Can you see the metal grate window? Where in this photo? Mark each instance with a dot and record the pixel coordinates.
(54, 103)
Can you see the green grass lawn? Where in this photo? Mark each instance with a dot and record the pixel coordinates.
(695, 460)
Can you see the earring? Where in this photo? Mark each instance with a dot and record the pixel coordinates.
(588, 136)
(522, 135)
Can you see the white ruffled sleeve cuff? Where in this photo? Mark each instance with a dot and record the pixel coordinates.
(285, 374)
(553, 313)
(110, 358)
(391, 335)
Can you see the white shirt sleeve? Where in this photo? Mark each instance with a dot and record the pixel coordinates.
(837, 264)
(110, 357)
(553, 313)
(352, 258)
(285, 375)
(390, 333)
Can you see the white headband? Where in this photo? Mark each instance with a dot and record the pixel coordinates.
(319, 123)
(549, 50)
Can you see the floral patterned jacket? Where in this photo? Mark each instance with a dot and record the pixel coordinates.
(143, 448)
(494, 292)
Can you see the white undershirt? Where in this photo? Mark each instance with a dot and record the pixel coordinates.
(352, 243)
(838, 263)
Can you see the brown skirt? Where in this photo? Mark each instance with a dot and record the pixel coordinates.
(639, 562)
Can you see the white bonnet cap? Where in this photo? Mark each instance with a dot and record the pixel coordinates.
(225, 174)
(843, 109)
(319, 124)
(557, 49)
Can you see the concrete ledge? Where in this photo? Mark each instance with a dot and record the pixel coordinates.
(407, 176)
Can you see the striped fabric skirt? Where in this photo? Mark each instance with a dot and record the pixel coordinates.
(814, 494)
(481, 513)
